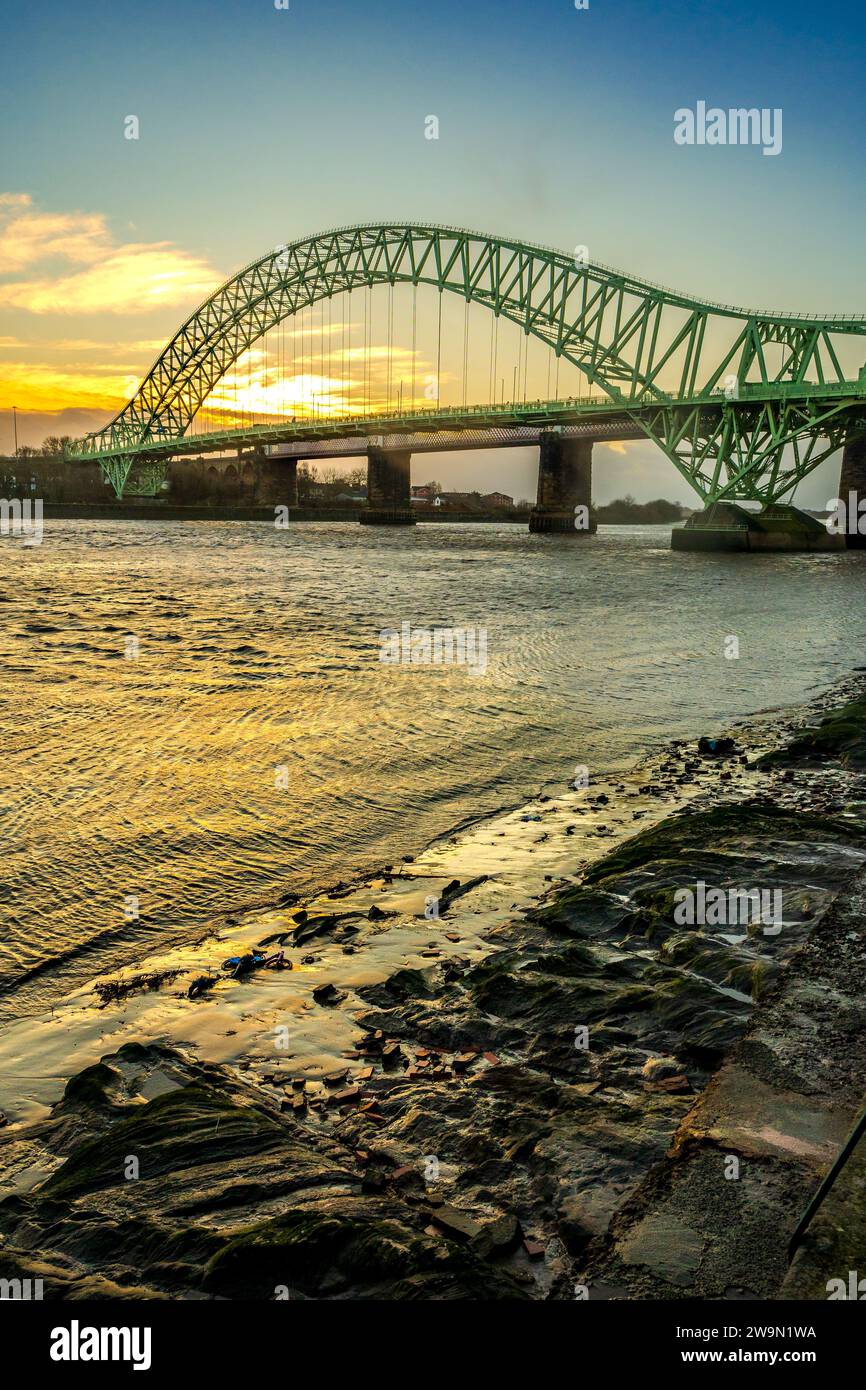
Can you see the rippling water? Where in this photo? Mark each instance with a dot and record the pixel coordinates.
(155, 776)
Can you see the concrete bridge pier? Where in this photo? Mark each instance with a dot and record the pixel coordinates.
(564, 499)
(388, 494)
(852, 480)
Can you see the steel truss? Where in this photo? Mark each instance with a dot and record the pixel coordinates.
(724, 415)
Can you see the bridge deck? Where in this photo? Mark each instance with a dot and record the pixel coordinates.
(456, 427)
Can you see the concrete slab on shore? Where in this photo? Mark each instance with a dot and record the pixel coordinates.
(725, 526)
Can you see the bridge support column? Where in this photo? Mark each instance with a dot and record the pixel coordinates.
(138, 475)
(280, 481)
(388, 494)
(564, 499)
(853, 480)
(276, 477)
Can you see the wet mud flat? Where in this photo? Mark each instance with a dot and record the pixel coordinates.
(584, 1096)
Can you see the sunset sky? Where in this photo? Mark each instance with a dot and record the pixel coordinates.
(259, 125)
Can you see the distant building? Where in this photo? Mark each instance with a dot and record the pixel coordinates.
(461, 501)
(474, 501)
(424, 493)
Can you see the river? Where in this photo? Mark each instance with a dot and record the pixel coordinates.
(196, 715)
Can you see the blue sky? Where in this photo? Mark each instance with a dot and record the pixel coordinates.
(258, 125)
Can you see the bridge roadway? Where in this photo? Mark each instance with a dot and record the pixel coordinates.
(439, 441)
(425, 431)
(462, 427)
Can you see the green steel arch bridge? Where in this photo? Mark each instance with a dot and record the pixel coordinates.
(743, 402)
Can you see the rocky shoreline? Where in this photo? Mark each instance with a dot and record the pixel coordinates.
(585, 1099)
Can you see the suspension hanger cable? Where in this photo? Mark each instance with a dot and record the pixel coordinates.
(414, 336)
(368, 334)
(517, 368)
(389, 402)
(439, 356)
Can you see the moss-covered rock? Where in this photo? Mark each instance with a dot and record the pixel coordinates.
(841, 735)
(227, 1197)
(349, 1247)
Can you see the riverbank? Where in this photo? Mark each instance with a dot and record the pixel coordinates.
(170, 511)
(615, 514)
(413, 1109)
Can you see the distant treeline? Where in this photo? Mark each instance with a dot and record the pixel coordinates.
(52, 446)
(47, 475)
(44, 473)
(625, 511)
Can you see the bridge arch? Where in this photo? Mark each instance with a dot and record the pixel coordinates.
(531, 286)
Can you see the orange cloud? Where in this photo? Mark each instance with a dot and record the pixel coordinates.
(149, 346)
(104, 277)
(130, 281)
(36, 387)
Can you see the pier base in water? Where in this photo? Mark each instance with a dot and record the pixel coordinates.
(852, 480)
(779, 527)
(388, 495)
(561, 523)
(380, 516)
(564, 501)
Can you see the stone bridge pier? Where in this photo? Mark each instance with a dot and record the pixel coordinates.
(564, 501)
(277, 481)
(252, 478)
(271, 477)
(388, 495)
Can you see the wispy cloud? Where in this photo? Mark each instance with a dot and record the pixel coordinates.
(39, 387)
(80, 267)
(114, 348)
